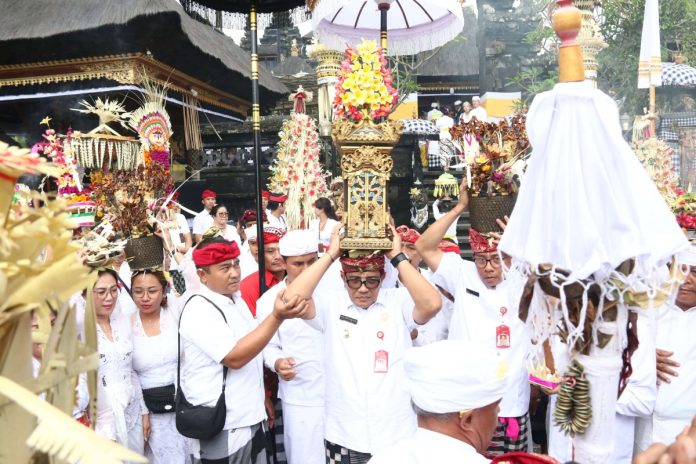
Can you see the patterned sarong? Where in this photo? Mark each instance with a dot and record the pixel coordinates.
(337, 454)
(245, 445)
(505, 440)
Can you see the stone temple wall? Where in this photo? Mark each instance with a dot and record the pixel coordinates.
(503, 50)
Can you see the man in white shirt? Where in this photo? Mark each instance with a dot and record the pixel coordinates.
(276, 208)
(366, 332)
(479, 112)
(203, 220)
(295, 354)
(486, 313)
(675, 404)
(217, 330)
(434, 112)
(638, 398)
(455, 387)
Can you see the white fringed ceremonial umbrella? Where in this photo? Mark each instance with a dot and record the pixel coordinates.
(414, 26)
(588, 211)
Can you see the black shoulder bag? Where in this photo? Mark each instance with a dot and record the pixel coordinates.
(200, 422)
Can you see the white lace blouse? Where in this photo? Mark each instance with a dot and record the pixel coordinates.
(119, 396)
(154, 358)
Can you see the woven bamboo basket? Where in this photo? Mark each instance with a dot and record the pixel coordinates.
(144, 252)
(483, 211)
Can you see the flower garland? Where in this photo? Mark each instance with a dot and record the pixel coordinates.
(52, 147)
(364, 89)
(297, 171)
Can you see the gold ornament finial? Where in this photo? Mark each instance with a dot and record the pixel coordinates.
(567, 21)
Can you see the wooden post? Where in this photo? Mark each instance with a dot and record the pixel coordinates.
(256, 127)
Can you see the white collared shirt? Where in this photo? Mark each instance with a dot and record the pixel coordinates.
(676, 401)
(202, 222)
(365, 410)
(479, 113)
(304, 344)
(279, 222)
(476, 317)
(426, 447)
(205, 341)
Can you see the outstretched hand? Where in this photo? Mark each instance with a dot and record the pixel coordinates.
(502, 223)
(396, 243)
(463, 193)
(682, 451)
(335, 243)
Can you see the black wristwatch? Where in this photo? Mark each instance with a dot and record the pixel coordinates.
(397, 259)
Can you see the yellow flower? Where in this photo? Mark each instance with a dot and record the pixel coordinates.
(360, 96)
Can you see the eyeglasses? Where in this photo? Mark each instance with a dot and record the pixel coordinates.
(369, 282)
(103, 292)
(222, 214)
(151, 292)
(481, 261)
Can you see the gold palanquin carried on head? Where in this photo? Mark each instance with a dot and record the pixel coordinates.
(366, 163)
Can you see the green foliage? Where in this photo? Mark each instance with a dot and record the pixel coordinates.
(621, 25)
(543, 74)
(535, 80)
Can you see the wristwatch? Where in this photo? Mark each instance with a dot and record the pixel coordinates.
(397, 259)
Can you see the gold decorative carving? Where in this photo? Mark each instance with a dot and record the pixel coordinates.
(366, 163)
(366, 214)
(368, 158)
(367, 131)
(121, 69)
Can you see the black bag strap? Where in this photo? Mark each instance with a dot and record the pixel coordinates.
(178, 344)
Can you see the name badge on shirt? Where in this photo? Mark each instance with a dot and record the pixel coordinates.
(381, 362)
(472, 292)
(502, 336)
(348, 319)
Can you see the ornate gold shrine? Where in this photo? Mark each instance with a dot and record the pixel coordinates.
(366, 165)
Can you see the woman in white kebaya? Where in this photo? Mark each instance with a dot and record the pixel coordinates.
(121, 412)
(154, 360)
(325, 223)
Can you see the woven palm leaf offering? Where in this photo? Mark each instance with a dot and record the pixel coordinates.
(34, 429)
(297, 172)
(130, 199)
(590, 241)
(103, 147)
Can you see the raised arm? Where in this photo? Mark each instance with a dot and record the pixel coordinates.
(425, 297)
(427, 244)
(303, 285)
